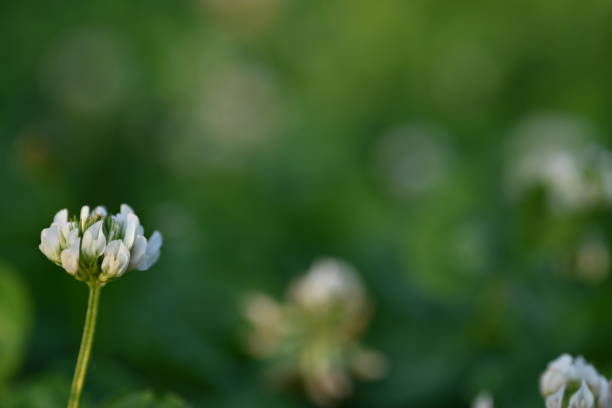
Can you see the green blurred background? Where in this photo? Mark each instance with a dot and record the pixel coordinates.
(456, 153)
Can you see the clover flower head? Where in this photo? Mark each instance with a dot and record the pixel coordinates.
(483, 400)
(96, 247)
(566, 375)
(328, 281)
(314, 335)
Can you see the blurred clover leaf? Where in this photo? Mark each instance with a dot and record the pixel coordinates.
(147, 399)
(15, 320)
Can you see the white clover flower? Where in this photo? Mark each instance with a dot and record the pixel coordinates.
(483, 400)
(314, 335)
(565, 374)
(583, 398)
(98, 247)
(328, 280)
(557, 374)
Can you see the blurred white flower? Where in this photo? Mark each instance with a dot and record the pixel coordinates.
(556, 400)
(329, 280)
(583, 398)
(483, 400)
(567, 373)
(412, 159)
(96, 247)
(558, 373)
(314, 335)
(236, 110)
(560, 154)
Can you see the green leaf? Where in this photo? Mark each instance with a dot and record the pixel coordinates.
(15, 320)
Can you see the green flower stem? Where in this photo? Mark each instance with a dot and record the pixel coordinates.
(80, 371)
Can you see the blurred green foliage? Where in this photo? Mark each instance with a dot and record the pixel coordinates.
(15, 321)
(260, 135)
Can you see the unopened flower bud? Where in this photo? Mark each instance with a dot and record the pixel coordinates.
(556, 400)
(94, 242)
(116, 260)
(70, 257)
(583, 398)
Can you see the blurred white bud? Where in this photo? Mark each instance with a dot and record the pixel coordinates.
(483, 400)
(413, 159)
(560, 154)
(565, 374)
(327, 280)
(558, 373)
(556, 400)
(583, 398)
(603, 399)
(315, 334)
(100, 211)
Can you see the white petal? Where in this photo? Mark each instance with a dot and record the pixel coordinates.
(94, 242)
(555, 400)
(100, 211)
(130, 230)
(123, 255)
(70, 257)
(116, 260)
(84, 215)
(604, 393)
(61, 217)
(138, 250)
(72, 236)
(126, 209)
(153, 251)
(155, 242)
(50, 243)
(583, 398)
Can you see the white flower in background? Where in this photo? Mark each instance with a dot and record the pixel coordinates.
(413, 159)
(327, 281)
(314, 335)
(567, 373)
(560, 154)
(96, 247)
(483, 400)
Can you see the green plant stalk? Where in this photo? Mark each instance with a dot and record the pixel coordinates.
(80, 371)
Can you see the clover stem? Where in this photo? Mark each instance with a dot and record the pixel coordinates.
(80, 371)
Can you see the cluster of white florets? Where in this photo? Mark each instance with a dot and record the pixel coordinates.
(97, 247)
(576, 382)
(314, 335)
